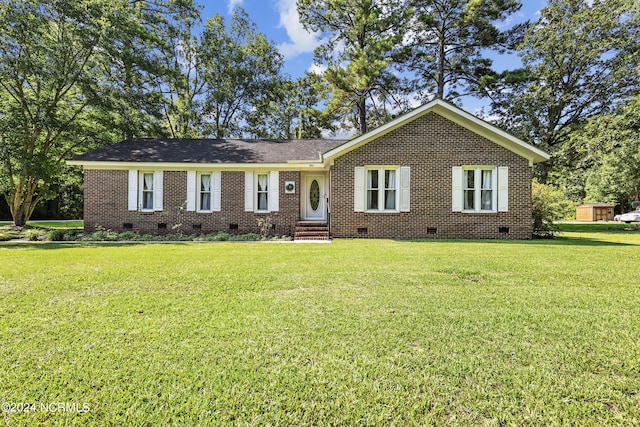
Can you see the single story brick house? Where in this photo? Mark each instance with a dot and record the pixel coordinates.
(435, 172)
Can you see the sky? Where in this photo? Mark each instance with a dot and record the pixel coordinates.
(278, 20)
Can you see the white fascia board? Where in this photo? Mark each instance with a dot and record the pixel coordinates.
(180, 166)
(456, 115)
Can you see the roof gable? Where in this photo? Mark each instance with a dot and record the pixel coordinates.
(456, 115)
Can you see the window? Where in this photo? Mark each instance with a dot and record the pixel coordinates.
(486, 190)
(372, 190)
(204, 198)
(145, 190)
(204, 191)
(479, 189)
(146, 195)
(381, 189)
(469, 190)
(263, 192)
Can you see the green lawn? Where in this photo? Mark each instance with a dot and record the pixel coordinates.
(358, 332)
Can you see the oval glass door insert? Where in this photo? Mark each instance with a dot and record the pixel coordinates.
(314, 195)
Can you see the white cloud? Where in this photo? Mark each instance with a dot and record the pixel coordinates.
(490, 118)
(318, 69)
(231, 4)
(301, 40)
(340, 133)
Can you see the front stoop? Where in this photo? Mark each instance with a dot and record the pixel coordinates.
(311, 230)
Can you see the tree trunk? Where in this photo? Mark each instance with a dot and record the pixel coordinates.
(22, 201)
(362, 115)
(440, 65)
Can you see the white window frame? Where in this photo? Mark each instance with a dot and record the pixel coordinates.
(142, 191)
(135, 196)
(199, 192)
(382, 190)
(477, 188)
(194, 193)
(258, 192)
(251, 193)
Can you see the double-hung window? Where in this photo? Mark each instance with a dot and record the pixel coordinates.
(479, 189)
(382, 189)
(262, 191)
(145, 190)
(146, 195)
(483, 189)
(204, 191)
(204, 194)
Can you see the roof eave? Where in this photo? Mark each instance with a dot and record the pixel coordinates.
(123, 165)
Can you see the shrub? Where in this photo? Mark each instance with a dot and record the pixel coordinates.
(220, 237)
(33, 235)
(128, 235)
(547, 207)
(108, 235)
(247, 237)
(101, 234)
(57, 235)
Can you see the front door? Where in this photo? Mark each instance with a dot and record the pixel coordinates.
(314, 207)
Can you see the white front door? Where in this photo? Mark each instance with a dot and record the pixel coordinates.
(314, 205)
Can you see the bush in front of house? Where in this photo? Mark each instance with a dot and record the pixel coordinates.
(32, 235)
(61, 235)
(103, 235)
(545, 201)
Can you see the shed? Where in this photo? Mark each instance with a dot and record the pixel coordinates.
(594, 212)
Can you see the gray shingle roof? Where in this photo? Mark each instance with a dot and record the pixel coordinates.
(212, 150)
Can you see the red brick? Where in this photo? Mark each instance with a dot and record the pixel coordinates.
(430, 145)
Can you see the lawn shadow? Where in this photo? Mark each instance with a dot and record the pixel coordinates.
(599, 228)
(557, 241)
(78, 245)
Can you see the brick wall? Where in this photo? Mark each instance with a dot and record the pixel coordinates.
(106, 194)
(431, 145)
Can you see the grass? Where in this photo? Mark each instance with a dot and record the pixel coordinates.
(358, 332)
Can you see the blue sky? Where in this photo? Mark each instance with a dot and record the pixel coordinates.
(278, 20)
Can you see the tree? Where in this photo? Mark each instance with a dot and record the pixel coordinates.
(363, 40)
(241, 68)
(292, 110)
(611, 147)
(183, 88)
(136, 62)
(580, 60)
(47, 65)
(60, 66)
(449, 44)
